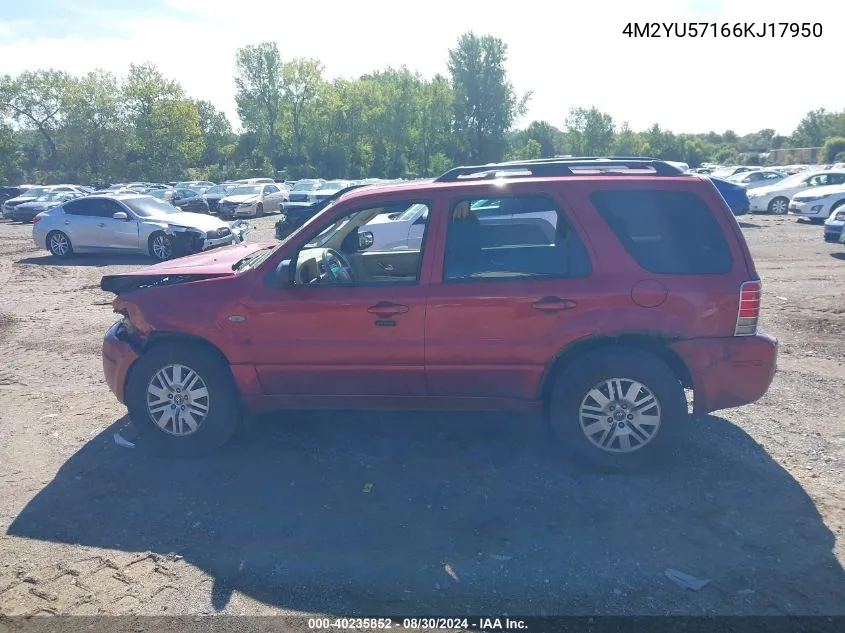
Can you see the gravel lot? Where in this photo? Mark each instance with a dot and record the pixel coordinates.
(467, 513)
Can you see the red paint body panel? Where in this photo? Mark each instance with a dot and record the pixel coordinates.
(729, 372)
(458, 345)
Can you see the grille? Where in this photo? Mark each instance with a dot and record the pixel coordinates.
(299, 197)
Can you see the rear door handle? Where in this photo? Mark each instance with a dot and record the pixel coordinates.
(553, 304)
(101, 224)
(386, 308)
(67, 222)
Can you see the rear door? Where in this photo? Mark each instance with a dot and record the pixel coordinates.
(272, 198)
(508, 294)
(80, 221)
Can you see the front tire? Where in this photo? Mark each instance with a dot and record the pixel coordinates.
(617, 409)
(779, 205)
(259, 210)
(59, 244)
(182, 400)
(161, 246)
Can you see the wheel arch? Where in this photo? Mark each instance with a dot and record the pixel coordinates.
(157, 339)
(656, 345)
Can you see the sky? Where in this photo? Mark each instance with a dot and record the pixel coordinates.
(568, 53)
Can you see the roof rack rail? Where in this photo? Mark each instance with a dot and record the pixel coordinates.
(562, 167)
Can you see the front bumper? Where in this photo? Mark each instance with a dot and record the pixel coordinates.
(833, 231)
(118, 358)
(810, 209)
(729, 372)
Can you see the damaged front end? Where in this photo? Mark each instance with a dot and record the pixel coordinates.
(121, 284)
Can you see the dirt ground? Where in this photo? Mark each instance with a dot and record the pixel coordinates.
(467, 513)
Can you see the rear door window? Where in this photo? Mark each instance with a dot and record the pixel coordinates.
(512, 238)
(666, 232)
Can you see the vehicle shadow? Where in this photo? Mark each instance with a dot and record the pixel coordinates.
(354, 513)
(838, 256)
(93, 259)
(748, 225)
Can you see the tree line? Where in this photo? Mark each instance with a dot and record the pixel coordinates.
(391, 123)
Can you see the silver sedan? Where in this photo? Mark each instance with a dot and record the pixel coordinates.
(130, 223)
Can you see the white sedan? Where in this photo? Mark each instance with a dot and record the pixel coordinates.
(753, 179)
(252, 200)
(818, 203)
(775, 198)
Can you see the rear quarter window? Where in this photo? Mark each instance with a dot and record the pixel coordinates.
(666, 232)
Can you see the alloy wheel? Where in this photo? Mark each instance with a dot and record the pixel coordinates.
(620, 415)
(59, 244)
(177, 400)
(161, 247)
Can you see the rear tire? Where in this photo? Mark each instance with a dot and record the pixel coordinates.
(59, 244)
(624, 431)
(779, 206)
(182, 400)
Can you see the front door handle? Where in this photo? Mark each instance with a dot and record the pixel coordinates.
(553, 304)
(101, 224)
(386, 308)
(67, 222)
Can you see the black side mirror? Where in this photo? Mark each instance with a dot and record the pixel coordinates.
(283, 273)
(365, 240)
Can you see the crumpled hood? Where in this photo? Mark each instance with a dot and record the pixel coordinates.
(214, 263)
(199, 221)
(34, 204)
(19, 200)
(250, 197)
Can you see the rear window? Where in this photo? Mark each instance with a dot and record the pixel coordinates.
(666, 232)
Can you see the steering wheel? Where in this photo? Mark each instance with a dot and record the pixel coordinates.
(338, 268)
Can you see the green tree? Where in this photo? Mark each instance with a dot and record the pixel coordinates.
(626, 142)
(218, 138)
(10, 156)
(485, 103)
(301, 80)
(435, 123)
(36, 100)
(94, 135)
(165, 126)
(832, 148)
(589, 132)
(814, 128)
(258, 93)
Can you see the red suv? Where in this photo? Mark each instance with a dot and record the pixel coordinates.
(594, 290)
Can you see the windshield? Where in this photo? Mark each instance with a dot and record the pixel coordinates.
(412, 213)
(247, 190)
(326, 235)
(159, 193)
(148, 206)
(219, 189)
(306, 185)
(34, 192)
(50, 195)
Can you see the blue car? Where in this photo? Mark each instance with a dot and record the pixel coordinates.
(734, 195)
(833, 226)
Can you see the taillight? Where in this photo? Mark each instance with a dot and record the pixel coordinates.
(36, 219)
(749, 308)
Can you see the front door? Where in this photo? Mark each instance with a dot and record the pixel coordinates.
(115, 233)
(514, 282)
(335, 329)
